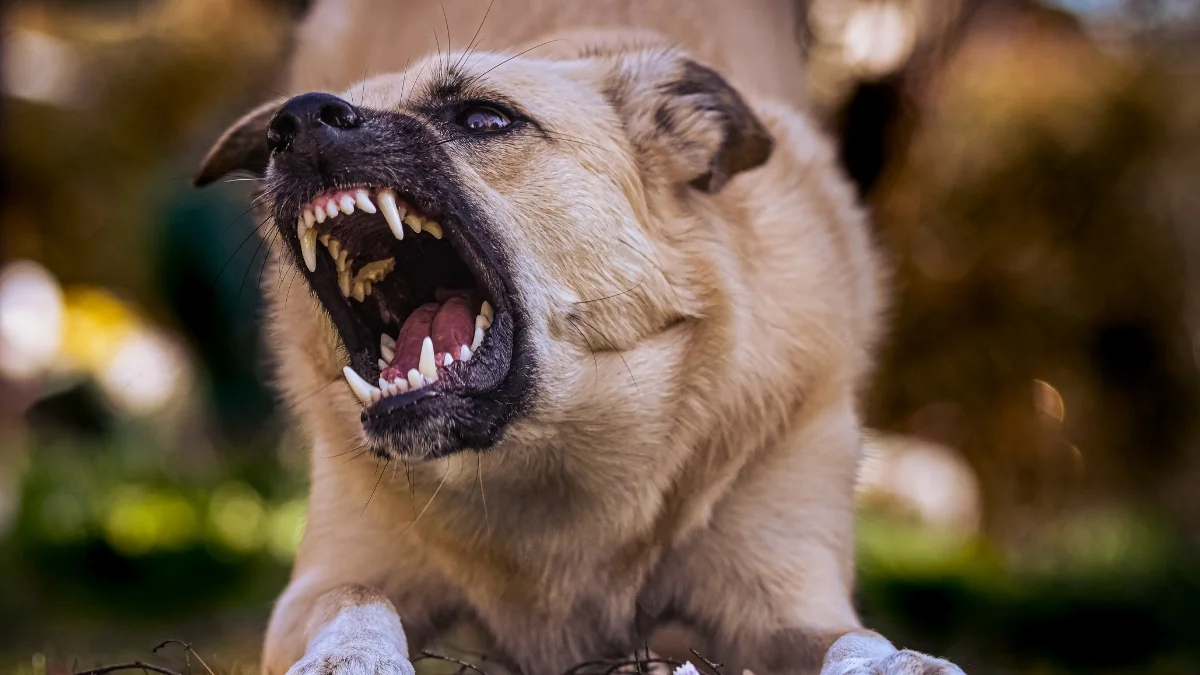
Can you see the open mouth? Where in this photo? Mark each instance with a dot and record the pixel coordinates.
(413, 300)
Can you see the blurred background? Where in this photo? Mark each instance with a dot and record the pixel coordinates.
(1031, 498)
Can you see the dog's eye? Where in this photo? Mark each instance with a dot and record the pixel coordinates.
(482, 118)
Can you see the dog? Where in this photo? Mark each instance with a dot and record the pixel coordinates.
(586, 319)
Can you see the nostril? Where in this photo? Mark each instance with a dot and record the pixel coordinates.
(281, 131)
(340, 115)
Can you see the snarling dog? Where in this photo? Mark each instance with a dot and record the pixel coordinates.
(579, 364)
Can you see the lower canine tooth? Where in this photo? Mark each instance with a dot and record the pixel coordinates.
(361, 388)
(433, 228)
(483, 322)
(308, 248)
(427, 366)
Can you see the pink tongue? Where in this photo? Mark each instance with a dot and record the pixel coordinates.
(451, 324)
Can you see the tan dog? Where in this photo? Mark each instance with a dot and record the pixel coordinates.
(600, 320)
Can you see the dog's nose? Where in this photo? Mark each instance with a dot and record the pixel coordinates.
(306, 115)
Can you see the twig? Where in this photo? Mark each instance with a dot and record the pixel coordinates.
(133, 665)
(448, 659)
(188, 647)
(716, 667)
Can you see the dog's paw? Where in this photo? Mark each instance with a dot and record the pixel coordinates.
(904, 662)
(871, 654)
(351, 659)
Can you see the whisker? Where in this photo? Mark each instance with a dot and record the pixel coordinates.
(413, 524)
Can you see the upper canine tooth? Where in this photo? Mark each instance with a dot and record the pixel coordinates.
(387, 203)
(309, 219)
(483, 322)
(331, 207)
(427, 366)
(414, 221)
(308, 248)
(364, 390)
(364, 201)
(344, 283)
(347, 204)
(486, 310)
(433, 228)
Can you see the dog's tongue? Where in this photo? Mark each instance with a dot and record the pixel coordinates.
(450, 323)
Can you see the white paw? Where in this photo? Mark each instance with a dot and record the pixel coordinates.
(871, 654)
(908, 662)
(352, 659)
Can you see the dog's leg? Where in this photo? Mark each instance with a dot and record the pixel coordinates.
(867, 653)
(350, 630)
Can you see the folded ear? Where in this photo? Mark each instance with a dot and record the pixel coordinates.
(685, 121)
(243, 147)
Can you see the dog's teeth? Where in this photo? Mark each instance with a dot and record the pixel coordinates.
(414, 221)
(334, 247)
(308, 248)
(344, 283)
(331, 208)
(400, 384)
(415, 379)
(433, 228)
(342, 260)
(358, 292)
(483, 322)
(347, 204)
(427, 366)
(382, 365)
(388, 353)
(486, 310)
(464, 353)
(447, 360)
(477, 340)
(324, 239)
(387, 204)
(364, 201)
(308, 217)
(367, 287)
(361, 388)
(387, 341)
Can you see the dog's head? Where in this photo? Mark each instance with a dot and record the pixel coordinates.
(477, 229)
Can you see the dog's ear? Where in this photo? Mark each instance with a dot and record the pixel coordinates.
(685, 121)
(243, 147)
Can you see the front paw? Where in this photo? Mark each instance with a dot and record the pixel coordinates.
(904, 662)
(871, 654)
(351, 659)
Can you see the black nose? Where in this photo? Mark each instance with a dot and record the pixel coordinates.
(309, 114)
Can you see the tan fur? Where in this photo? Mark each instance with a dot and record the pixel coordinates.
(693, 448)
